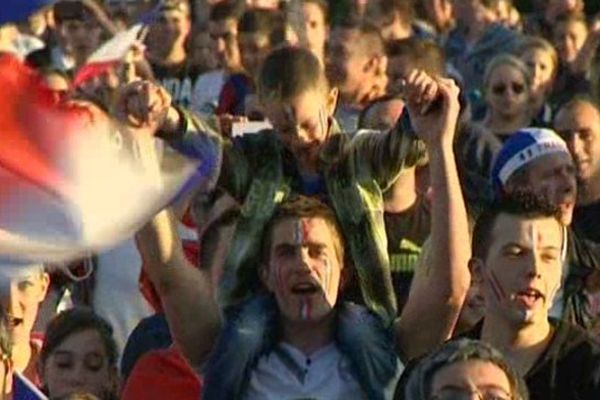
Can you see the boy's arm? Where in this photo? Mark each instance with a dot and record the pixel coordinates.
(439, 287)
(383, 156)
(185, 291)
(144, 104)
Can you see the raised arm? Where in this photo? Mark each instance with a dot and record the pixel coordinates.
(440, 284)
(186, 293)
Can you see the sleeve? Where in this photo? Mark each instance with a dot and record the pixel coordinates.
(383, 156)
(225, 161)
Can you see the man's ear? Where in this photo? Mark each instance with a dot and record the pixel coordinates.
(476, 268)
(332, 101)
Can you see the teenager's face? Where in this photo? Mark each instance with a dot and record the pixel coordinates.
(507, 93)
(305, 268)
(316, 28)
(463, 379)
(347, 65)
(203, 52)
(225, 35)
(254, 47)
(79, 38)
(171, 29)
(542, 68)
(79, 364)
(522, 270)
(21, 297)
(552, 176)
(580, 127)
(302, 123)
(569, 39)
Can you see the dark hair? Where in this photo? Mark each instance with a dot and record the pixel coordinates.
(369, 40)
(226, 10)
(288, 72)
(259, 21)
(74, 321)
(425, 54)
(520, 203)
(420, 380)
(71, 11)
(383, 12)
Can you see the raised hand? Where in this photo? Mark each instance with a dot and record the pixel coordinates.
(433, 107)
(143, 104)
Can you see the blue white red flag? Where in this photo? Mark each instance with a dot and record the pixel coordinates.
(71, 180)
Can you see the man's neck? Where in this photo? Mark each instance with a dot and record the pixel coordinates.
(308, 336)
(521, 345)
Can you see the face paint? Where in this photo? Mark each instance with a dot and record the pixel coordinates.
(305, 309)
(496, 287)
(299, 231)
(323, 122)
(326, 274)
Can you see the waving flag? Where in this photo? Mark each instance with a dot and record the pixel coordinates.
(108, 55)
(23, 389)
(71, 181)
(13, 11)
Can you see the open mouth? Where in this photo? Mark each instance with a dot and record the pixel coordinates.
(529, 296)
(305, 288)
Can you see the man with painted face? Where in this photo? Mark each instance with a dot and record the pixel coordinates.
(537, 161)
(304, 155)
(518, 247)
(293, 336)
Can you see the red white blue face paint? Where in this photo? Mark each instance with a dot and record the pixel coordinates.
(497, 289)
(305, 309)
(300, 230)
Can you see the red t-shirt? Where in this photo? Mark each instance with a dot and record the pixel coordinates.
(162, 374)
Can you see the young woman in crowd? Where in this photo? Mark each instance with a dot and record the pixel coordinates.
(507, 88)
(79, 355)
(542, 60)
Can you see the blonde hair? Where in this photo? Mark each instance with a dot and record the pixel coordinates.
(533, 43)
(508, 60)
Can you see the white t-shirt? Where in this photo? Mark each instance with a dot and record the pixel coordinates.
(287, 374)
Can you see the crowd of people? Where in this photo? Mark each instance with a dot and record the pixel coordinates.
(400, 202)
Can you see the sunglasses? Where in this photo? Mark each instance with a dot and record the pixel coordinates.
(501, 88)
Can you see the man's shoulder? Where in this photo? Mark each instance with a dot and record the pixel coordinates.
(570, 367)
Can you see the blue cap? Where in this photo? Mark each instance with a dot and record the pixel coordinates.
(522, 148)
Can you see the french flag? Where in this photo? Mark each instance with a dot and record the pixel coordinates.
(72, 181)
(23, 389)
(108, 55)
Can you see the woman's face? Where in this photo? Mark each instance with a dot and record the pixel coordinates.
(507, 93)
(79, 364)
(542, 68)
